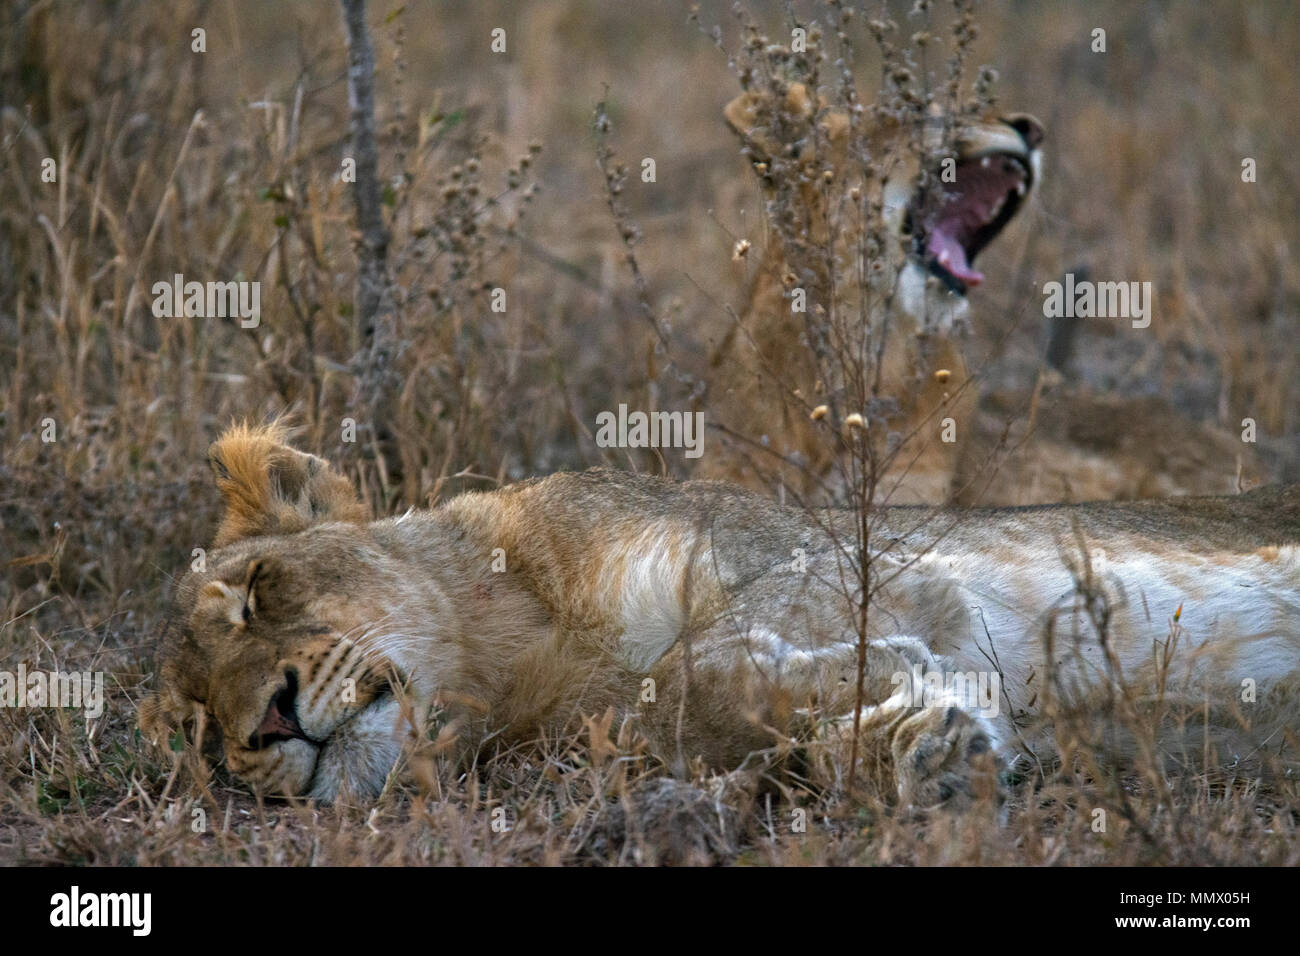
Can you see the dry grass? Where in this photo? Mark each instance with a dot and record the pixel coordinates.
(225, 165)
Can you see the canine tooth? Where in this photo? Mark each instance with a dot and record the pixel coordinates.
(1021, 188)
(985, 161)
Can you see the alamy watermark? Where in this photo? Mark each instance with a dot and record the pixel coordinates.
(651, 430)
(77, 909)
(81, 690)
(975, 691)
(1102, 300)
(208, 300)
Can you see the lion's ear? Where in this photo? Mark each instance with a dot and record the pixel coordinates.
(269, 488)
(764, 124)
(742, 116)
(753, 118)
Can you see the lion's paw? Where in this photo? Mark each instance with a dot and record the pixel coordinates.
(945, 756)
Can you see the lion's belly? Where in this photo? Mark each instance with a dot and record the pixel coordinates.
(1234, 621)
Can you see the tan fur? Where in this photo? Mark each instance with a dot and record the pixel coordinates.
(764, 379)
(1062, 445)
(269, 488)
(713, 621)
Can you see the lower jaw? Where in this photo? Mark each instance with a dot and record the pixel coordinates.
(922, 303)
(954, 285)
(357, 759)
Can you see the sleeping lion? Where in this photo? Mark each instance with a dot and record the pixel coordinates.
(716, 622)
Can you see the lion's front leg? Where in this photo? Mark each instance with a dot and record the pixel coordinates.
(930, 748)
(753, 690)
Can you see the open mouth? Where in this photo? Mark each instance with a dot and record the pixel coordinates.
(950, 229)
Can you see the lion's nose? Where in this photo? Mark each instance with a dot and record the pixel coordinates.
(281, 720)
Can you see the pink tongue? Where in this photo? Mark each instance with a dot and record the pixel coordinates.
(948, 252)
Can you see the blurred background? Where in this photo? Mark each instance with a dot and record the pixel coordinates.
(224, 165)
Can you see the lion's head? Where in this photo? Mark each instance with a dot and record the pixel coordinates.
(945, 189)
(272, 640)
